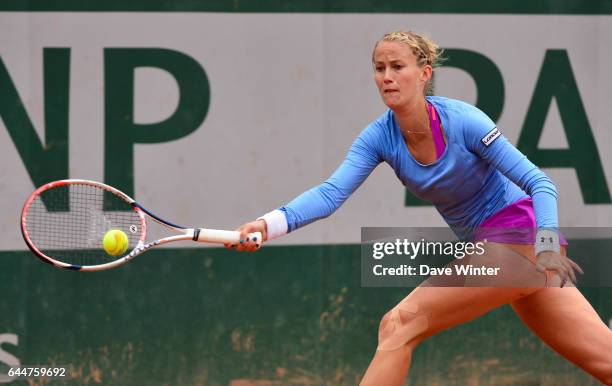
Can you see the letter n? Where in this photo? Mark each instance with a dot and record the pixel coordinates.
(44, 161)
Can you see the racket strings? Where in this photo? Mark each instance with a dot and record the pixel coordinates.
(67, 223)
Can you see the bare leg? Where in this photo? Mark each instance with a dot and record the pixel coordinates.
(388, 367)
(565, 320)
(442, 308)
(429, 309)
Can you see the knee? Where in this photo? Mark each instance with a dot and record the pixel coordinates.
(403, 326)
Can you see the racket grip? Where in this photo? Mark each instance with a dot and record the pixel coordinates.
(224, 237)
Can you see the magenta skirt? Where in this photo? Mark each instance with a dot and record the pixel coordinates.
(515, 224)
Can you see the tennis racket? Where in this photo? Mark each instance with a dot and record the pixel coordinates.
(64, 222)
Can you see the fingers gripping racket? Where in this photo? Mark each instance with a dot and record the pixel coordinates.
(64, 222)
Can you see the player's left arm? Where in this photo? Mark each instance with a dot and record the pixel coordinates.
(482, 137)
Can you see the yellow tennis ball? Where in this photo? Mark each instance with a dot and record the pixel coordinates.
(115, 242)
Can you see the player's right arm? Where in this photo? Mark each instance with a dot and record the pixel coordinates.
(324, 199)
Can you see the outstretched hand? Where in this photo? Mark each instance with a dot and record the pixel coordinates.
(562, 265)
(245, 229)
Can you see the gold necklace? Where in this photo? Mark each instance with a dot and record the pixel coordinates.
(423, 131)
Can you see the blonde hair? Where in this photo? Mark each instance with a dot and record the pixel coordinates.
(424, 49)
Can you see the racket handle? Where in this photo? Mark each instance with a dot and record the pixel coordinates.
(223, 237)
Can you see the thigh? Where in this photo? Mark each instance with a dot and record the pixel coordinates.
(449, 301)
(445, 307)
(566, 321)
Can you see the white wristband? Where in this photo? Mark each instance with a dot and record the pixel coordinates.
(547, 240)
(276, 223)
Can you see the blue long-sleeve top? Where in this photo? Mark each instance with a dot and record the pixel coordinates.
(478, 174)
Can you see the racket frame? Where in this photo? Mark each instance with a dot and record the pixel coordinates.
(194, 234)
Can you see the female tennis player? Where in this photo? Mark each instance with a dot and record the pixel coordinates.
(451, 154)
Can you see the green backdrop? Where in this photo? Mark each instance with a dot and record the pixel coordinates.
(285, 315)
